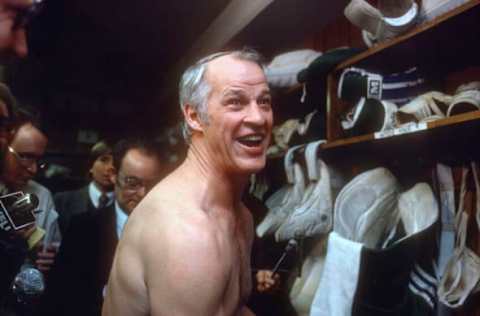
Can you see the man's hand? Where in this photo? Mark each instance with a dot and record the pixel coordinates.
(26, 232)
(46, 257)
(266, 282)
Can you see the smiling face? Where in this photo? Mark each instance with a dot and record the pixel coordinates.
(239, 115)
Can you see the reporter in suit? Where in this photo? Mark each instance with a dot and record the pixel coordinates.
(83, 264)
(97, 194)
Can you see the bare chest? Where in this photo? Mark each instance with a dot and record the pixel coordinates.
(236, 247)
(239, 283)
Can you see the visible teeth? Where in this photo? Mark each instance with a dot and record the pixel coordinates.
(252, 138)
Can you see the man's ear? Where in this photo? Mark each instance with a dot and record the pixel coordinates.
(192, 118)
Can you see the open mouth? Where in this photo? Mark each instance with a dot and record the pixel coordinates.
(252, 140)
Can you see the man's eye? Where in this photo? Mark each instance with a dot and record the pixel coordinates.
(105, 159)
(235, 102)
(265, 101)
(132, 181)
(26, 156)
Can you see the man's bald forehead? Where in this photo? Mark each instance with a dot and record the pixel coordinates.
(28, 130)
(225, 62)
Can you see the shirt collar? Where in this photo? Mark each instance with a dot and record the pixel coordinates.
(95, 194)
(121, 219)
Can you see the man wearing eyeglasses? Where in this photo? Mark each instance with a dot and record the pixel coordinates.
(22, 160)
(77, 282)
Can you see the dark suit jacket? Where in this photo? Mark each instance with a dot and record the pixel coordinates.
(71, 203)
(75, 284)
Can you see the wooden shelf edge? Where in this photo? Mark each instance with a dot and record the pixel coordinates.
(416, 30)
(401, 38)
(457, 119)
(348, 141)
(449, 121)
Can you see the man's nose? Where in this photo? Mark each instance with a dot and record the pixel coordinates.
(33, 168)
(110, 168)
(142, 191)
(19, 44)
(256, 115)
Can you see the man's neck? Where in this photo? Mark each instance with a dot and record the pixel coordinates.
(101, 188)
(216, 188)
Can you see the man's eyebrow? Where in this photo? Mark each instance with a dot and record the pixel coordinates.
(265, 92)
(233, 92)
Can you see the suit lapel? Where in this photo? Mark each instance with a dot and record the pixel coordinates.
(86, 201)
(108, 241)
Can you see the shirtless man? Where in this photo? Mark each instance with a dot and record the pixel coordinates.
(186, 247)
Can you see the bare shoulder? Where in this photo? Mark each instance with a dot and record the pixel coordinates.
(180, 231)
(168, 227)
(162, 241)
(182, 256)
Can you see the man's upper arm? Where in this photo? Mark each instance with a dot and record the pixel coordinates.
(189, 278)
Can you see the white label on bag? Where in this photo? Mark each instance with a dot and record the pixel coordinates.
(384, 134)
(405, 129)
(374, 83)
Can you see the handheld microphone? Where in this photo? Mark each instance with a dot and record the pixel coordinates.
(28, 284)
(291, 245)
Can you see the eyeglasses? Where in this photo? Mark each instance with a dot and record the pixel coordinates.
(25, 15)
(27, 160)
(132, 183)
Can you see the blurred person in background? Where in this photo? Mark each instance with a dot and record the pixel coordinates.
(98, 194)
(15, 16)
(76, 286)
(22, 161)
(7, 114)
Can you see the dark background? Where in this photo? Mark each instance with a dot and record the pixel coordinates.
(111, 67)
(107, 65)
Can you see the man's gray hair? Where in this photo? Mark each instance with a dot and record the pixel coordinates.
(195, 90)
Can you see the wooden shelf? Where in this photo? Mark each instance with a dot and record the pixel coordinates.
(442, 46)
(450, 138)
(449, 121)
(449, 32)
(435, 43)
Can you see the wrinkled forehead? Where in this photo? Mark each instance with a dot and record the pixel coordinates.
(139, 164)
(227, 70)
(29, 138)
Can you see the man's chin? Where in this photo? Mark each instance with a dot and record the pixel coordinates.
(131, 206)
(107, 185)
(252, 166)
